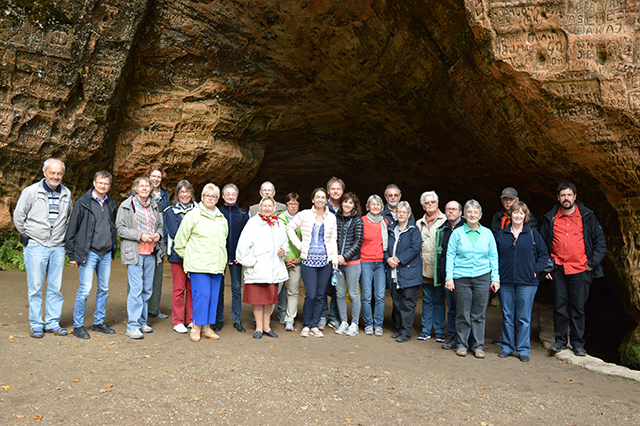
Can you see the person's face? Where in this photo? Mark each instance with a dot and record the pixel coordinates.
(209, 199)
(143, 189)
(403, 216)
(101, 185)
(508, 202)
(335, 191)
(267, 207)
(53, 174)
(320, 200)
(292, 207)
(453, 212)
(517, 217)
(430, 204)
(472, 215)
(567, 199)
(267, 190)
(230, 196)
(185, 196)
(375, 207)
(393, 197)
(156, 178)
(347, 206)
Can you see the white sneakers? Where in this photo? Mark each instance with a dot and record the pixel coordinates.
(180, 328)
(352, 330)
(134, 333)
(342, 327)
(146, 329)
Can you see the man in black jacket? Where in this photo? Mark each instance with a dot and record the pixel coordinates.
(577, 246)
(91, 245)
(500, 220)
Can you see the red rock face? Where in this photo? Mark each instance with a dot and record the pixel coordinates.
(461, 97)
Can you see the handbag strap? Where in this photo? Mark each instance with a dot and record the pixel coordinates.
(344, 242)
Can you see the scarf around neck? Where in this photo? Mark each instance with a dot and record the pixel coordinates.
(383, 228)
(271, 220)
(145, 217)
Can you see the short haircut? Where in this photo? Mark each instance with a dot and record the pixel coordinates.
(319, 189)
(457, 203)
(155, 168)
(472, 203)
(267, 198)
(335, 179)
(103, 174)
(353, 197)
(404, 205)
(48, 162)
(134, 187)
(183, 184)
(426, 194)
(231, 186)
(519, 205)
(374, 197)
(210, 187)
(391, 186)
(566, 185)
(270, 183)
(292, 196)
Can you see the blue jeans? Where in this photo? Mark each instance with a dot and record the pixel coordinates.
(517, 302)
(330, 312)
(140, 287)
(433, 308)
(373, 284)
(41, 261)
(315, 288)
(101, 265)
(235, 272)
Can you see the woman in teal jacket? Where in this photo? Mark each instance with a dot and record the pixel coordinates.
(201, 241)
(472, 271)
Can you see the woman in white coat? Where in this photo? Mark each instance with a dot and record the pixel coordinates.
(262, 245)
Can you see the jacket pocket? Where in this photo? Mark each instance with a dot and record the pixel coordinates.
(128, 254)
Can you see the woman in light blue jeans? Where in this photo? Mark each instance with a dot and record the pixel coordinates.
(350, 230)
(372, 276)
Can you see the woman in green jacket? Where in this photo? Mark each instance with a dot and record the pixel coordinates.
(201, 241)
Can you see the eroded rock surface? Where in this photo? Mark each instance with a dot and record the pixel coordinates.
(461, 97)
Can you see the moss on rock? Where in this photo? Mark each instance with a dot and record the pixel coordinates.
(630, 349)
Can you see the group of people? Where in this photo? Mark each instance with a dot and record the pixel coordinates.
(337, 250)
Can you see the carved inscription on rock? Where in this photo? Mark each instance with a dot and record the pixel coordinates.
(533, 50)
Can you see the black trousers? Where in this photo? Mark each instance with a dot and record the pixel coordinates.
(404, 302)
(570, 293)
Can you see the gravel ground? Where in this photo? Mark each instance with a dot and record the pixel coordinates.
(363, 380)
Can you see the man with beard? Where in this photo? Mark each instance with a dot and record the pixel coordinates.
(577, 246)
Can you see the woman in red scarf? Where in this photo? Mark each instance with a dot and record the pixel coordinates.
(261, 248)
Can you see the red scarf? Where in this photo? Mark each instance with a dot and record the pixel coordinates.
(271, 220)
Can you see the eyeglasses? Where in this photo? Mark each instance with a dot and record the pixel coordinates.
(393, 195)
(210, 197)
(430, 202)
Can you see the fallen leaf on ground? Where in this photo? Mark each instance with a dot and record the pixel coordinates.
(20, 416)
(6, 387)
(386, 372)
(37, 417)
(75, 380)
(304, 408)
(147, 356)
(570, 380)
(58, 388)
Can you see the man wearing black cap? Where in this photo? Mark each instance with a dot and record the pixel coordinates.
(501, 219)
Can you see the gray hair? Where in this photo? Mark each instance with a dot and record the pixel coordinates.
(270, 183)
(134, 187)
(404, 205)
(231, 186)
(374, 197)
(390, 186)
(48, 162)
(267, 198)
(210, 187)
(474, 204)
(426, 194)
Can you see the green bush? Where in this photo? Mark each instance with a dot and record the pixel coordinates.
(11, 252)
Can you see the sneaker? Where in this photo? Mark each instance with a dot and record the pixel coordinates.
(134, 333)
(315, 332)
(80, 333)
(180, 328)
(304, 332)
(334, 324)
(103, 328)
(352, 330)
(480, 354)
(461, 351)
(451, 344)
(440, 338)
(557, 347)
(281, 320)
(424, 336)
(146, 329)
(190, 325)
(579, 351)
(503, 354)
(288, 326)
(322, 323)
(524, 358)
(342, 328)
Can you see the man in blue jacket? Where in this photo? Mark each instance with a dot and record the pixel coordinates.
(577, 246)
(91, 243)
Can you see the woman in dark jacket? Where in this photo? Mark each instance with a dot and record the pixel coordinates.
(404, 270)
(181, 300)
(350, 229)
(523, 256)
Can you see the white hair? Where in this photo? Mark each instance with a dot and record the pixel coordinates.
(426, 194)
